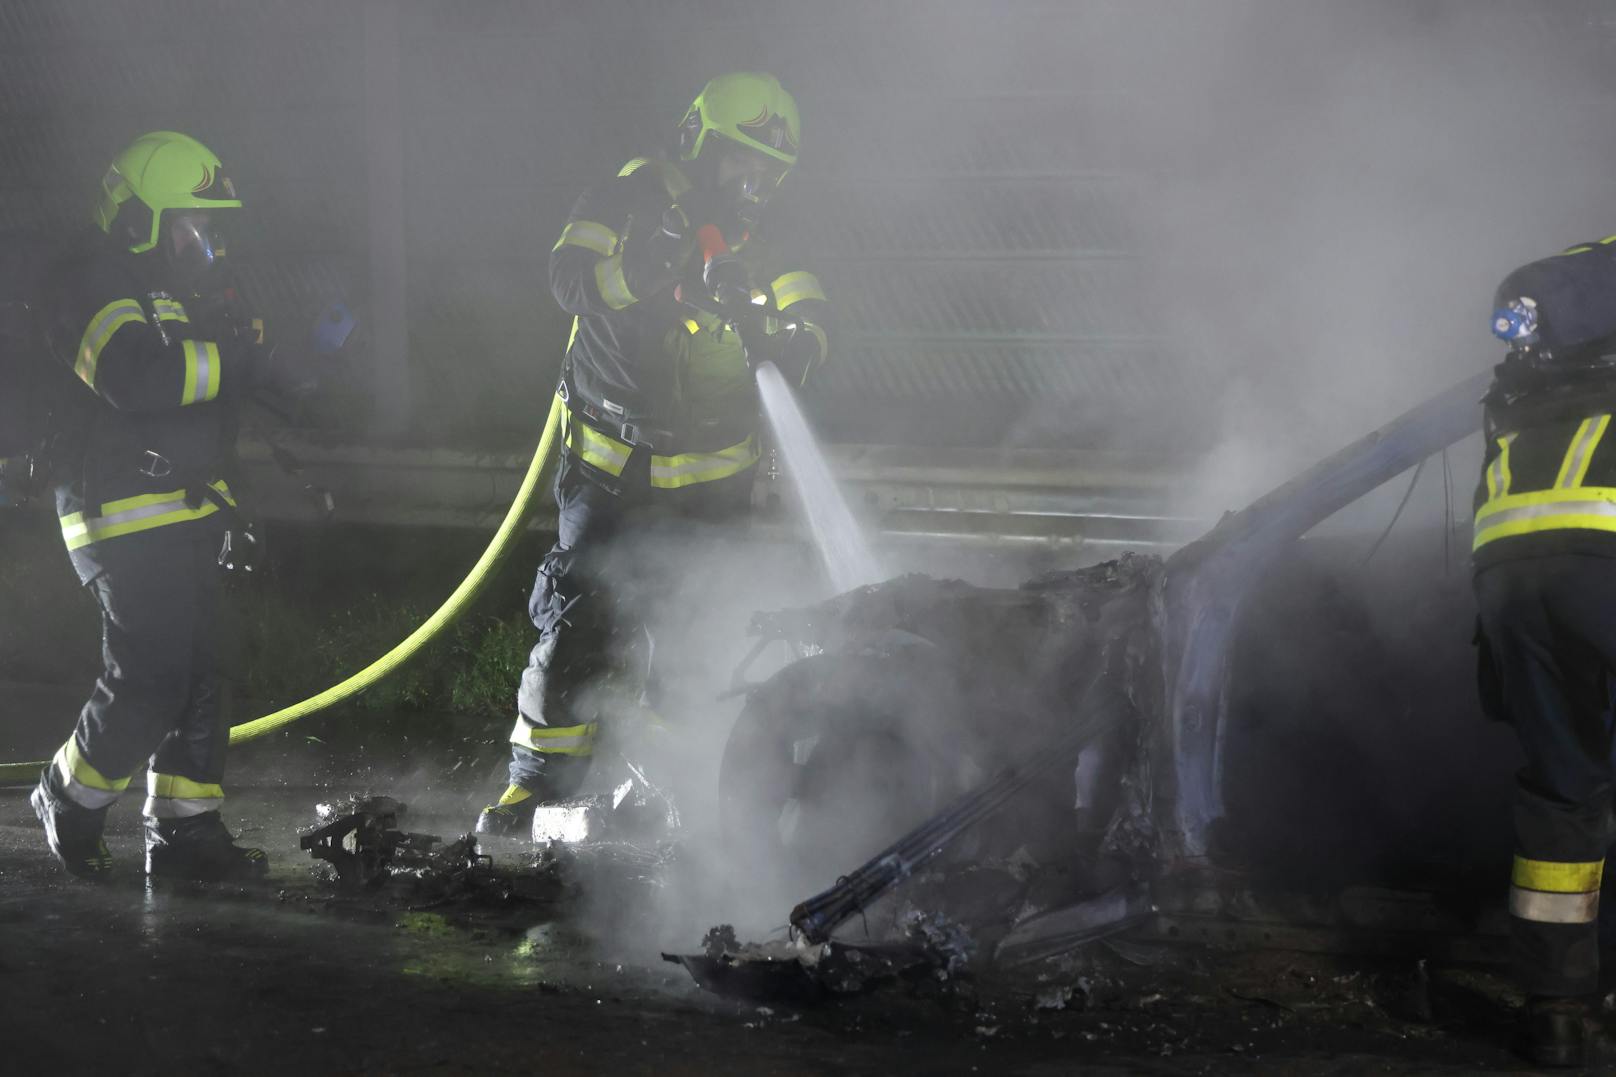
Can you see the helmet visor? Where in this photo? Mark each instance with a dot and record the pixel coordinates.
(751, 177)
(192, 240)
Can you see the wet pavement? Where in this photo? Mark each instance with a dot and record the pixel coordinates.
(291, 976)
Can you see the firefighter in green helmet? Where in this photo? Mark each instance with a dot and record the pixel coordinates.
(140, 312)
(677, 290)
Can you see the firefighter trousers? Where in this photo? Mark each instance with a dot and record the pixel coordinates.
(1551, 639)
(617, 554)
(159, 695)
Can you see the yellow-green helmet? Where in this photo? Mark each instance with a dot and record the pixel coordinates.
(162, 170)
(747, 107)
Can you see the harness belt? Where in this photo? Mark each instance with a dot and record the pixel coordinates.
(583, 436)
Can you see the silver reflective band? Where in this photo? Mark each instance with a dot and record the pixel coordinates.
(85, 796)
(100, 524)
(179, 807)
(1544, 908)
(1490, 518)
(1588, 435)
(201, 372)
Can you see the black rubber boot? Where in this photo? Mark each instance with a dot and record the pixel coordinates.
(510, 817)
(200, 847)
(1563, 1032)
(73, 832)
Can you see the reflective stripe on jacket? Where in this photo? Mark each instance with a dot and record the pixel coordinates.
(1546, 488)
(609, 454)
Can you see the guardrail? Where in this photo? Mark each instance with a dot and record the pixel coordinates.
(1059, 498)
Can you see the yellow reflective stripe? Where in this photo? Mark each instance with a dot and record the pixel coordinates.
(794, 288)
(633, 167)
(1558, 876)
(1583, 249)
(201, 371)
(1589, 508)
(1498, 471)
(1546, 908)
(78, 770)
(1580, 453)
(687, 469)
(107, 321)
(170, 796)
(609, 279)
(556, 740)
(132, 514)
(594, 448)
(169, 311)
(590, 235)
(177, 787)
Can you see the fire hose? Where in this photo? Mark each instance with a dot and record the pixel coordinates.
(15, 774)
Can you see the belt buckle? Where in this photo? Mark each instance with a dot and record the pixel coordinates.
(631, 433)
(156, 466)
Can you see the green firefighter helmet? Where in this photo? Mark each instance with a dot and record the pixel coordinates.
(156, 173)
(746, 107)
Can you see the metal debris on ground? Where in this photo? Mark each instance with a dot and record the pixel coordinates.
(797, 971)
(361, 840)
(947, 941)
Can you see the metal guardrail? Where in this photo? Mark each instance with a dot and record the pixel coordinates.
(1058, 498)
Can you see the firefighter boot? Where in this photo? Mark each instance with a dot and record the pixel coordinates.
(536, 779)
(73, 832)
(199, 847)
(510, 817)
(1563, 1032)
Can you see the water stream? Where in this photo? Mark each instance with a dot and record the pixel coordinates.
(837, 536)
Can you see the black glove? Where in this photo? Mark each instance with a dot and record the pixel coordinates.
(728, 281)
(654, 254)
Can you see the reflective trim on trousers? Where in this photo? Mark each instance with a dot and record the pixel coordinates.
(83, 784)
(555, 740)
(1558, 876)
(169, 796)
(1544, 908)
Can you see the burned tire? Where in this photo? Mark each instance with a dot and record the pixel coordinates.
(834, 758)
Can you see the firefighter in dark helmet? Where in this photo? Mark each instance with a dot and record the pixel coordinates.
(142, 315)
(1545, 583)
(676, 293)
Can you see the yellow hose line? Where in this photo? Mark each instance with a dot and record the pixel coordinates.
(452, 608)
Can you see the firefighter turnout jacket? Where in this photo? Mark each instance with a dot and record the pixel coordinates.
(152, 452)
(1548, 482)
(648, 370)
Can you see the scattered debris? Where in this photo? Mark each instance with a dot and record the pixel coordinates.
(1056, 998)
(947, 942)
(797, 971)
(361, 840)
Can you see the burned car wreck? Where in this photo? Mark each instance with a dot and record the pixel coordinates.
(1050, 764)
